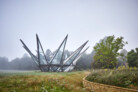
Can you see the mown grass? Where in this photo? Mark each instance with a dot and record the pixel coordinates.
(42, 82)
(127, 78)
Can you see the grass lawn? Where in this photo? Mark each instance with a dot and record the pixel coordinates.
(36, 81)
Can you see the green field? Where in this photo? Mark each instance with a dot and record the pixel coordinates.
(35, 81)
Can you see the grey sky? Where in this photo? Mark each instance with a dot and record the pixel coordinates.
(52, 19)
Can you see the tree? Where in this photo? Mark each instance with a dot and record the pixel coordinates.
(84, 62)
(107, 51)
(132, 58)
(4, 62)
(122, 59)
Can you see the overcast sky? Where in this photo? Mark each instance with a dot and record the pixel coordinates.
(52, 20)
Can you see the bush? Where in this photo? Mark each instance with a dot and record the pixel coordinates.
(127, 77)
(132, 58)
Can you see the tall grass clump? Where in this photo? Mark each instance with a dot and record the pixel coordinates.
(122, 77)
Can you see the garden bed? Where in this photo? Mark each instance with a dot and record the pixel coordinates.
(126, 78)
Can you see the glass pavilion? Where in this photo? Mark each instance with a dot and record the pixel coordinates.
(58, 63)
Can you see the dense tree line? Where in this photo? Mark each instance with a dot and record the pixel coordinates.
(26, 63)
(85, 61)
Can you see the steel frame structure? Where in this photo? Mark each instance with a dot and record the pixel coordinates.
(57, 63)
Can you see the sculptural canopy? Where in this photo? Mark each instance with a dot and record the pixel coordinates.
(59, 62)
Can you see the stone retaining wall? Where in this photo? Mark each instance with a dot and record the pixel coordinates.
(97, 87)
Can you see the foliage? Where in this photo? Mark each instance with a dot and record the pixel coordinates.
(132, 58)
(26, 63)
(125, 77)
(84, 62)
(107, 51)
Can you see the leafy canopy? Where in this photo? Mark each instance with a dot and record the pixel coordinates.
(107, 51)
(132, 58)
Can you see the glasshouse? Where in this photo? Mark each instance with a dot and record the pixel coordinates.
(59, 62)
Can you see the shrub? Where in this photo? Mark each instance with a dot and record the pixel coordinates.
(118, 77)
